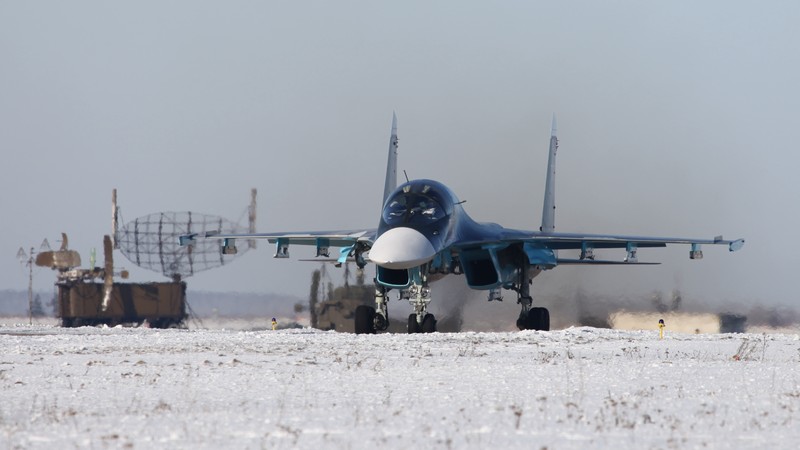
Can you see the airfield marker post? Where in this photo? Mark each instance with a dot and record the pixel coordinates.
(661, 326)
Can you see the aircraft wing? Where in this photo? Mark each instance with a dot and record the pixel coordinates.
(598, 262)
(350, 242)
(559, 241)
(542, 247)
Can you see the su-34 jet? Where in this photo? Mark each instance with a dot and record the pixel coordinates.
(424, 234)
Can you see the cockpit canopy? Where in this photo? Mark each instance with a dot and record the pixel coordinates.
(414, 204)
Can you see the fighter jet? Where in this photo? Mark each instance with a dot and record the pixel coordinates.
(424, 234)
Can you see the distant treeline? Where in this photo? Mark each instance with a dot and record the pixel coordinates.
(14, 303)
(238, 304)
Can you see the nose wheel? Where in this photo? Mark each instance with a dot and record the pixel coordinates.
(419, 295)
(428, 324)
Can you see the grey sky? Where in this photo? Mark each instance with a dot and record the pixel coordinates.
(675, 118)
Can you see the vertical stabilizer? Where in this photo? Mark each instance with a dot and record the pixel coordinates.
(549, 208)
(391, 164)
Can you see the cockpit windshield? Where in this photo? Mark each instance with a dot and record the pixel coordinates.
(412, 208)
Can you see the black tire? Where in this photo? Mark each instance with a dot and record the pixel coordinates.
(381, 323)
(539, 319)
(365, 320)
(413, 326)
(545, 319)
(429, 324)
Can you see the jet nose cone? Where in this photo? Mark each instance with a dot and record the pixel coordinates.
(401, 248)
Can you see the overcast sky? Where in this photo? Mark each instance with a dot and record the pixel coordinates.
(676, 118)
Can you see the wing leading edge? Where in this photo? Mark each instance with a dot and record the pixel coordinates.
(577, 241)
(587, 243)
(350, 242)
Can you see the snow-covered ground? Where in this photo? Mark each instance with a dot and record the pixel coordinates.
(576, 388)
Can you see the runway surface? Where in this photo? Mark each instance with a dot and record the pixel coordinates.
(576, 388)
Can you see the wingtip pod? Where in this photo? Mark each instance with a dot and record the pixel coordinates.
(736, 245)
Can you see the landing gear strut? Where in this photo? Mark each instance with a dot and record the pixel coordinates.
(419, 295)
(530, 317)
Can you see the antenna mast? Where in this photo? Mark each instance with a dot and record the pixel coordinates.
(114, 219)
(252, 215)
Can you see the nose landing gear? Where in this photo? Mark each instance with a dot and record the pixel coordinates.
(419, 295)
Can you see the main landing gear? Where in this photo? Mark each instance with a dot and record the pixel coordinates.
(365, 319)
(530, 318)
(370, 320)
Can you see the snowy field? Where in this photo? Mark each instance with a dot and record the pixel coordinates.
(577, 388)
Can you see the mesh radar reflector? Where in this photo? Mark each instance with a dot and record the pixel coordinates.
(152, 242)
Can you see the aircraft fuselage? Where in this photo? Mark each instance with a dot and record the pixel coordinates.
(425, 232)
